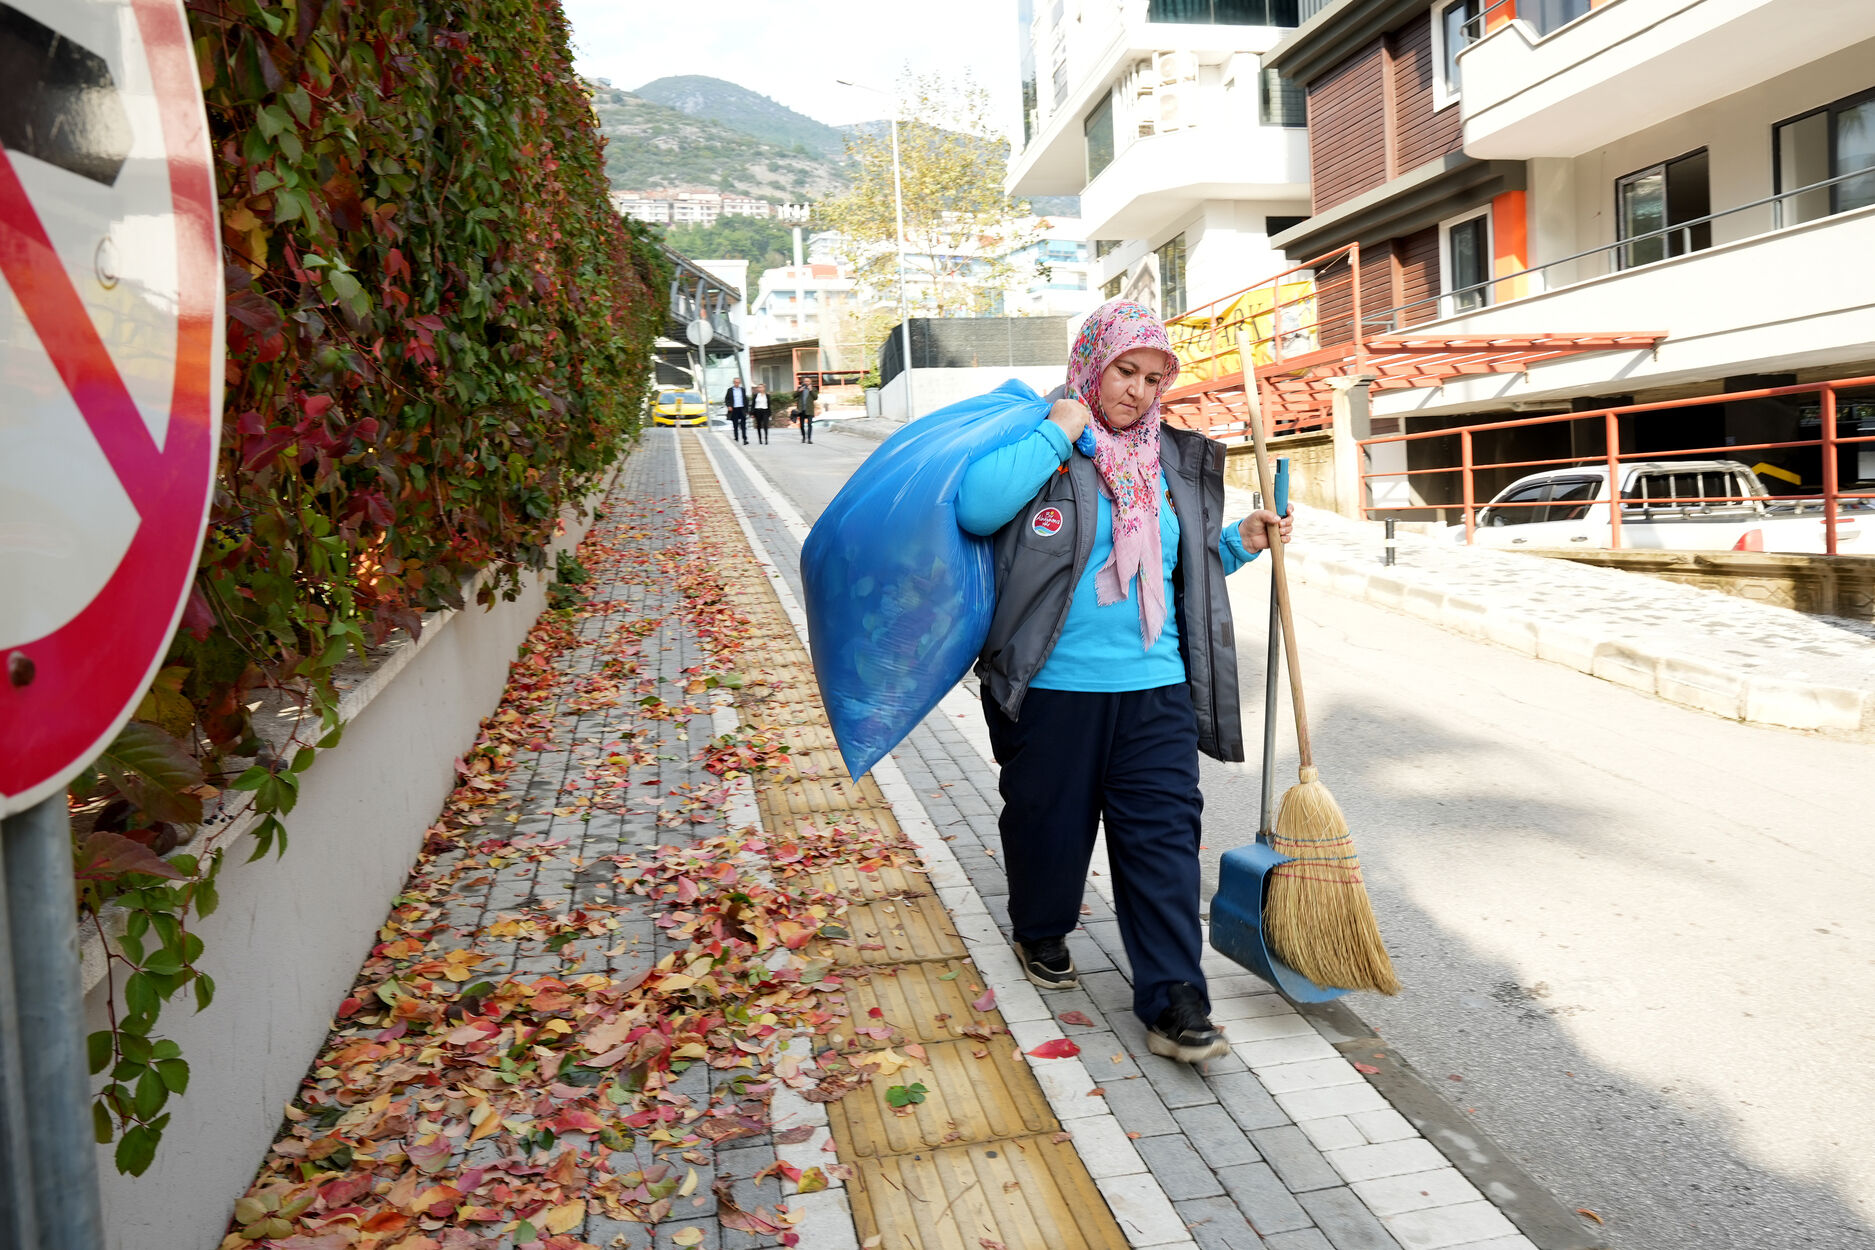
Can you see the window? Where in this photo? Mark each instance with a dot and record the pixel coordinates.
(1549, 15)
(1098, 128)
(1650, 203)
(1465, 271)
(1105, 247)
(1226, 12)
(1172, 277)
(1276, 225)
(1280, 102)
(1498, 514)
(1834, 141)
(1570, 498)
(1025, 46)
(1112, 289)
(1454, 28)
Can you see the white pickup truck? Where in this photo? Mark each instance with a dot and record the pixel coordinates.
(1715, 505)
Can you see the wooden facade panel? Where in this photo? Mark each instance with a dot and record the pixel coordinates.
(1347, 136)
(1419, 275)
(1334, 305)
(1420, 133)
(1377, 289)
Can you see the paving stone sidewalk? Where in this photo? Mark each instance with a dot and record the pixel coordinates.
(552, 835)
(1283, 1144)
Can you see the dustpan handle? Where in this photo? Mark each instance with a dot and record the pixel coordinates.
(1281, 572)
(1270, 661)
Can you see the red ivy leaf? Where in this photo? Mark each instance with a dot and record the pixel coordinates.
(1056, 1048)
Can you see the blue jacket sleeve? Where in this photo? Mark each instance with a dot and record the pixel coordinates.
(998, 483)
(1231, 548)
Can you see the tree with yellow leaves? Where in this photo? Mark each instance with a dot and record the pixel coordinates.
(960, 227)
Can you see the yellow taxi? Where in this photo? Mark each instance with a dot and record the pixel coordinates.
(676, 406)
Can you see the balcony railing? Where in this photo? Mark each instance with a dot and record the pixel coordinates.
(1624, 254)
(1223, 12)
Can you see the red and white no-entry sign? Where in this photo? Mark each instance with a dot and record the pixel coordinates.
(110, 368)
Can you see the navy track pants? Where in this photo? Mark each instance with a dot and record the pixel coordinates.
(1130, 759)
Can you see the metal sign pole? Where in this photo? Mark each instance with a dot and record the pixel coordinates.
(45, 1034)
(19, 1225)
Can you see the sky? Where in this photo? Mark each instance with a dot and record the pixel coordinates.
(793, 50)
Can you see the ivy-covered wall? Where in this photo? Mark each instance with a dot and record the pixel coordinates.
(438, 335)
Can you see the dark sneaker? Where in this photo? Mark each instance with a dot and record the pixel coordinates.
(1046, 962)
(1183, 1031)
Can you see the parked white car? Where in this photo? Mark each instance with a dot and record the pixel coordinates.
(1718, 505)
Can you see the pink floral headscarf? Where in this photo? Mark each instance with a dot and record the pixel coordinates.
(1127, 460)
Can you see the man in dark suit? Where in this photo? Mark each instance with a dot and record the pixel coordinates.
(736, 400)
(804, 400)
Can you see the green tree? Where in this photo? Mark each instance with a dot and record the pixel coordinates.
(764, 243)
(959, 225)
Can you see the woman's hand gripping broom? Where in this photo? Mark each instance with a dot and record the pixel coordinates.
(1318, 918)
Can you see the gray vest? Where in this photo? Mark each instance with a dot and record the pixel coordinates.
(1040, 559)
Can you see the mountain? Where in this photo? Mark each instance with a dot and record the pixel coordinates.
(652, 146)
(713, 99)
(695, 131)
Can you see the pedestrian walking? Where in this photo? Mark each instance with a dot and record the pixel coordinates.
(1109, 665)
(736, 401)
(804, 404)
(758, 408)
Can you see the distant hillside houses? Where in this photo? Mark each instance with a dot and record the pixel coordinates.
(688, 206)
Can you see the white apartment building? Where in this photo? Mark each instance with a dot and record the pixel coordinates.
(797, 301)
(1703, 169)
(688, 206)
(1187, 156)
(1053, 276)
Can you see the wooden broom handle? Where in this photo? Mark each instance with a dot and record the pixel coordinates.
(1280, 571)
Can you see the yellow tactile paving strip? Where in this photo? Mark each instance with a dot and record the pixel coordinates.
(982, 1160)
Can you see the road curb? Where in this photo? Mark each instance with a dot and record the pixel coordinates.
(1526, 1201)
(1671, 676)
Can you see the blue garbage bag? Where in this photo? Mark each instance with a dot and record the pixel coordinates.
(899, 597)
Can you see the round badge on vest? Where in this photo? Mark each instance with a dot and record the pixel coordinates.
(1046, 522)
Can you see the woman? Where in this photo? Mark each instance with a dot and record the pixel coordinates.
(1109, 665)
(758, 408)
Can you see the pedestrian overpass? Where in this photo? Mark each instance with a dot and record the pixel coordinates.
(696, 295)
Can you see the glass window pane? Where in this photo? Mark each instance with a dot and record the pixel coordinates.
(1240, 12)
(1641, 203)
(1803, 161)
(1099, 132)
(1172, 277)
(1855, 149)
(1689, 197)
(1576, 493)
(1521, 515)
(1468, 265)
(1548, 15)
(1452, 31)
(1178, 11)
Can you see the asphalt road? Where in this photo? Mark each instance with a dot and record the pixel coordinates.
(1637, 939)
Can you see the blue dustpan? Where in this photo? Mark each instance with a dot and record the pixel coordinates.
(1243, 874)
(1237, 922)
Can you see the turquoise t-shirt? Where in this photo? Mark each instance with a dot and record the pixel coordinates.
(1099, 648)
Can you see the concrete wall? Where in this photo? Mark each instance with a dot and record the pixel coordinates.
(932, 389)
(1311, 467)
(286, 944)
(1822, 585)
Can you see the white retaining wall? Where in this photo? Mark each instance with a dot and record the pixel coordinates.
(287, 942)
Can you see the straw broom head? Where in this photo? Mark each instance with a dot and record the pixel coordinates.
(1318, 918)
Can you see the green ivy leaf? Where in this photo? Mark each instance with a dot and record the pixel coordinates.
(136, 1149)
(98, 1051)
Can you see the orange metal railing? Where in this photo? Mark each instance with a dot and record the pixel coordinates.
(1829, 443)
